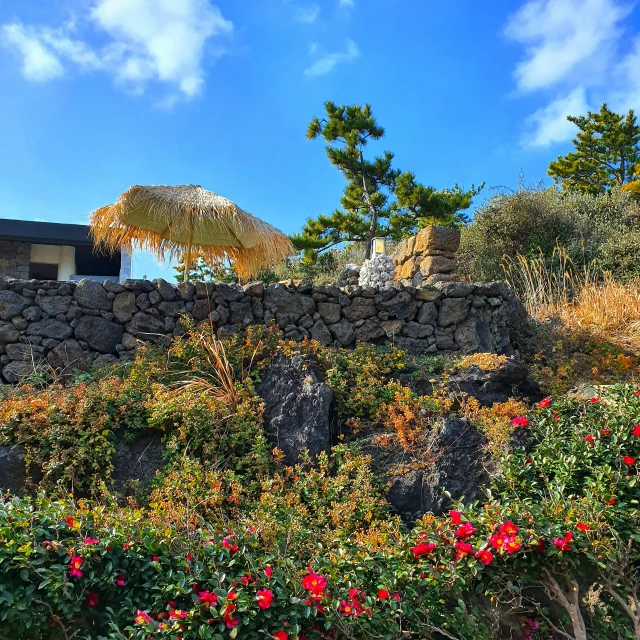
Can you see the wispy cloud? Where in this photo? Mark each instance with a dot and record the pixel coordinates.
(346, 4)
(147, 40)
(326, 62)
(571, 47)
(308, 14)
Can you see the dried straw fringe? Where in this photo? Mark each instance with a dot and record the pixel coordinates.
(179, 207)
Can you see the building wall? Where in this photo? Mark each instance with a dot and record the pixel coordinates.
(66, 324)
(14, 258)
(64, 256)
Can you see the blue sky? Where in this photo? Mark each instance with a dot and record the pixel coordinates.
(102, 94)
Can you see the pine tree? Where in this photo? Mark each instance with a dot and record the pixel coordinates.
(378, 200)
(606, 152)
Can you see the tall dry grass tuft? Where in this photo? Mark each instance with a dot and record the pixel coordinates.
(553, 290)
(212, 372)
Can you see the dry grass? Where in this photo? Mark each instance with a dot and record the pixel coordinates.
(578, 299)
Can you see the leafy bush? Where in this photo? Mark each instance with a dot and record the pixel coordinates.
(534, 220)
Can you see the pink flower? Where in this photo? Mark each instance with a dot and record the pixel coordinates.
(142, 617)
(268, 571)
(120, 580)
(208, 598)
(74, 569)
(91, 541)
(508, 528)
(455, 516)
(512, 544)
(463, 549)
(564, 543)
(545, 402)
(520, 421)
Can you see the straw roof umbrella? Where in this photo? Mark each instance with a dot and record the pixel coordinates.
(188, 221)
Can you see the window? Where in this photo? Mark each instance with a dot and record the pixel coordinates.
(43, 271)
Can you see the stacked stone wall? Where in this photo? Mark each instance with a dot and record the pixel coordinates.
(14, 258)
(67, 324)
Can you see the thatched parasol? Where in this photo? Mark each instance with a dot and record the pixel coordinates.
(188, 221)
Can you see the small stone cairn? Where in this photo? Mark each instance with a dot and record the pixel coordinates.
(349, 275)
(378, 272)
(428, 257)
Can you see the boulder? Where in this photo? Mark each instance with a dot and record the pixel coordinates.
(452, 311)
(321, 333)
(18, 369)
(172, 309)
(414, 346)
(454, 289)
(8, 332)
(124, 306)
(510, 378)
(241, 313)
(137, 461)
(437, 264)
(343, 332)
(24, 351)
(359, 309)
(202, 308)
(50, 328)
(254, 289)
(12, 304)
(297, 408)
(288, 307)
(166, 291)
(330, 312)
(99, 334)
(416, 330)
(186, 291)
(53, 305)
(473, 335)
(13, 475)
(90, 294)
(458, 468)
(402, 305)
(439, 238)
(370, 331)
(427, 314)
(145, 326)
(67, 355)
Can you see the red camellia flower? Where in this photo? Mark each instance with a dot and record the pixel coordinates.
(120, 580)
(92, 598)
(348, 608)
(611, 501)
(208, 598)
(383, 594)
(227, 616)
(314, 582)
(91, 541)
(264, 598)
(69, 521)
(463, 549)
(508, 528)
(564, 543)
(628, 460)
(497, 541)
(74, 569)
(512, 544)
(636, 430)
(520, 421)
(594, 400)
(178, 614)
(422, 549)
(590, 439)
(541, 546)
(605, 432)
(545, 402)
(281, 635)
(465, 530)
(582, 526)
(268, 571)
(142, 617)
(155, 558)
(455, 516)
(485, 556)
(233, 548)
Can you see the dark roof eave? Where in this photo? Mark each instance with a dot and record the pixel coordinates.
(45, 232)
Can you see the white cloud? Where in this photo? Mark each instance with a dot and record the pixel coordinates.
(574, 47)
(307, 15)
(346, 4)
(549, 124)
(561, 35)
(38, 62)
(146, 40)
(327, 61)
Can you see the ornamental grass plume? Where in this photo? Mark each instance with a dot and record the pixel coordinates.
(579, 300)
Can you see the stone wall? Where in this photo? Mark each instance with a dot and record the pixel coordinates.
(64, 324)
(428, 257)
(14, 258)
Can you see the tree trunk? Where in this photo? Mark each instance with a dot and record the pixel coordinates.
(373, 212)
(570, 601)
